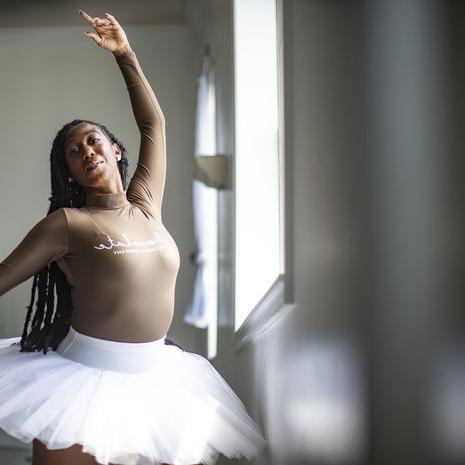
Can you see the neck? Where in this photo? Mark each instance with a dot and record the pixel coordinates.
(106, 201)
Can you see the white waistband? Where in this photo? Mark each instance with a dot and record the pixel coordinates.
(105, 354)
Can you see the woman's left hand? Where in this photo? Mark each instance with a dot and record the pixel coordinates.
(109, 35)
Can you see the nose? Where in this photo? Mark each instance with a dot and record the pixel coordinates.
(88, 152)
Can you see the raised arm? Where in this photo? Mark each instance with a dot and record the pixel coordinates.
(147, 185)
(46, 242)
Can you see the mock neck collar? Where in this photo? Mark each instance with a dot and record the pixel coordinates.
(107, 201)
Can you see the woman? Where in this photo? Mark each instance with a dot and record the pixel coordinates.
(111, 390)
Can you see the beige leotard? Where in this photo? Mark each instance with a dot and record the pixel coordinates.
(118, 257)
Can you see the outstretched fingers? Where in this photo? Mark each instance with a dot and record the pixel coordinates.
(87, 18)
(93, 35)
(112, 20)
(108, 32)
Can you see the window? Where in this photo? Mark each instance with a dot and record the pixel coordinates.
(259, 174)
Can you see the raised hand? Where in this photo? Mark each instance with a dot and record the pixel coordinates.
(109, 33)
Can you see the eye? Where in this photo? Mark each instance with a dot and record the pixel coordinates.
(94, 140)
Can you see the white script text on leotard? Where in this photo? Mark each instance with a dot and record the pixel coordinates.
(129, 246)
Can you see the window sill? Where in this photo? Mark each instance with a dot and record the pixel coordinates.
(271, 308)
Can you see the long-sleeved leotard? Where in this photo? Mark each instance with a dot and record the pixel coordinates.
(119, 259)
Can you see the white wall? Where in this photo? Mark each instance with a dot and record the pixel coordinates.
(368, 368)
(303, 379)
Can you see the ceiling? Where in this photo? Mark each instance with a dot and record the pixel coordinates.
(40, 13)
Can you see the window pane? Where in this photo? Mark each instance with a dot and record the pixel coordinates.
(257, 176)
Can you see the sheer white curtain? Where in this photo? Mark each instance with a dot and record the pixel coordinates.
(202, 310)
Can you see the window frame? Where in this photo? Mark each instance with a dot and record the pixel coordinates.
(277, 302)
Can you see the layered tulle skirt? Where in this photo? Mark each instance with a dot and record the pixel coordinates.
(126, 403)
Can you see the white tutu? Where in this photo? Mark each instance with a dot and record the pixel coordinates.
(125, 403)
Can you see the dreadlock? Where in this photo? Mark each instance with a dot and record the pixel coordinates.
(50, 325)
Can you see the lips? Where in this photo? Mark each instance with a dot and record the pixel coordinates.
(92, 166)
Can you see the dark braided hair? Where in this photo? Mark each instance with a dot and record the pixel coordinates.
(46, 331)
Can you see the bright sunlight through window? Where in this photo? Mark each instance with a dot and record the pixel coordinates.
(258, 201)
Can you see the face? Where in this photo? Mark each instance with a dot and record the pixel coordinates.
(91, 157)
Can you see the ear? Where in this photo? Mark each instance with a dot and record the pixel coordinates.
(117, 151)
